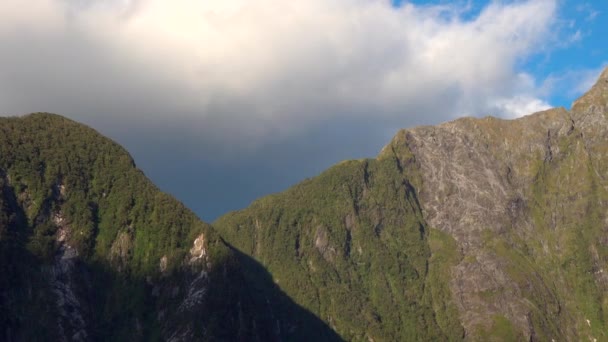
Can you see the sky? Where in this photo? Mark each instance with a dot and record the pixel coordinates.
(221, 102)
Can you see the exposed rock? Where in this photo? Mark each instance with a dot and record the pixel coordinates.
(322, 244)
(349, 221)
(72, 324)
(163, 264)
(196, 292)
(476, 175)
(198, 250)
(121, 249)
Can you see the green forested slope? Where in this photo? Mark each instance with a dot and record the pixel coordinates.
(79, 218)
(55, 164)
(90, 249)
(351, 245)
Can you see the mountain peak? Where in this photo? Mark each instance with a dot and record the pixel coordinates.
(604, 75)
(596, 97)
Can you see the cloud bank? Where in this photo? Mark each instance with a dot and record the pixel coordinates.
(222, 101)
(236, 71)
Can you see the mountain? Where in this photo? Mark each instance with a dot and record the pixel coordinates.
(476, 229)
(91, 250)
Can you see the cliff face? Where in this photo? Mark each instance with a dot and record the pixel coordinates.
(512, 237)
(524, 200)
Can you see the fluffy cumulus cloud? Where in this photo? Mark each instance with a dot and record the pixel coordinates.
(241, 70)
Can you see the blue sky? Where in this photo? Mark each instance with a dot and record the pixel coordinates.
(581, 31)
(221, 102)
(586, 24)
(589, 52)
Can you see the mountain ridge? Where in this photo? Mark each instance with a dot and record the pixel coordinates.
(476, 229)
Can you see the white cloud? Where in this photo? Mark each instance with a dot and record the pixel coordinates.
(242, 69)
(519, 106)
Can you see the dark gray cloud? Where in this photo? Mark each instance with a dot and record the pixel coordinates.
(212, 181)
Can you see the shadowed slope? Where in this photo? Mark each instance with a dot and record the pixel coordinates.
(352, 247)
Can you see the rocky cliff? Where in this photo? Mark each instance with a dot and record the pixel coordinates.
(524, 200)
